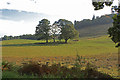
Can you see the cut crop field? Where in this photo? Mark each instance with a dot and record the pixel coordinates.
(99, 51)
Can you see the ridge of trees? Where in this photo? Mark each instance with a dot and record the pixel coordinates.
(25, 36)
(106, 19)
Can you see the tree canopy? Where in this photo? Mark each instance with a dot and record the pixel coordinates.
(62, 29)
(55, 31)
(67, 30)
(43, 29)
(100, 4)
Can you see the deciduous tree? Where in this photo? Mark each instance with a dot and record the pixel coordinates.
(43, 29)
(67, 30)
(55, 30)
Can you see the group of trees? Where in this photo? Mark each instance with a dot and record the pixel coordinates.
(25, 36)
(107, 19)
(61, 29)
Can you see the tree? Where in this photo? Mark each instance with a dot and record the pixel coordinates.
(114, 31)
(100, 4)
(55, 30)
(43, 29)
(5, 37)
(67, 30)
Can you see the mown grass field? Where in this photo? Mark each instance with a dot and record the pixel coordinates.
(100, 51)
(85, 46)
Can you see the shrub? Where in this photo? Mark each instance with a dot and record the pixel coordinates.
(30, 68)
(9, 66)
(92, 72)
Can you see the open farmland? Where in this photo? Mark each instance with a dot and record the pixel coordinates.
(85, 46)
(98, 50)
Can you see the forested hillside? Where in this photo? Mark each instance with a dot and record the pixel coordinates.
(95, 27)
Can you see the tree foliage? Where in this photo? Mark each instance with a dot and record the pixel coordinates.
(67, 30)
(114, 31)
(43, 29)
(100, 4)
(55, 31)
(107, 19)
(25, 36)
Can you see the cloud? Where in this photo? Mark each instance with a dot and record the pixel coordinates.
(16, 28)
(17, 15)
(8, 3)
(67, 8)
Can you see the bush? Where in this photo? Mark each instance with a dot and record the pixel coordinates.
(49, 71)
(9, 66)
(92, 72)
(30, 68)
(38, 70)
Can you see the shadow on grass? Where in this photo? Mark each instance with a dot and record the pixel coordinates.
(37, 44)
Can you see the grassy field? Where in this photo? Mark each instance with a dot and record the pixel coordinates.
(99, 51)
(85, 46)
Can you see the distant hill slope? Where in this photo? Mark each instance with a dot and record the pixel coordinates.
(94, 27)
(94, 30)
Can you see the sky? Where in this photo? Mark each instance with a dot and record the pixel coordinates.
(54, 9)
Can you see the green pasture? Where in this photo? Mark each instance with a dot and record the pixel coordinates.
(35, 48)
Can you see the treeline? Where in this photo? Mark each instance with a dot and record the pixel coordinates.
(89, 23)
(25, 36)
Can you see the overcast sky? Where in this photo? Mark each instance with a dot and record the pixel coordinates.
(55, 9)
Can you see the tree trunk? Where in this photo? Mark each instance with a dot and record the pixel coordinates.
(46, 40)
(66, 40)
(54, 40)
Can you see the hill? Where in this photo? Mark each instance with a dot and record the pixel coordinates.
(94, 27)
(97, 30)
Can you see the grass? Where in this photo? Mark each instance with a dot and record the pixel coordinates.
(85, 46)
(12, 74)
